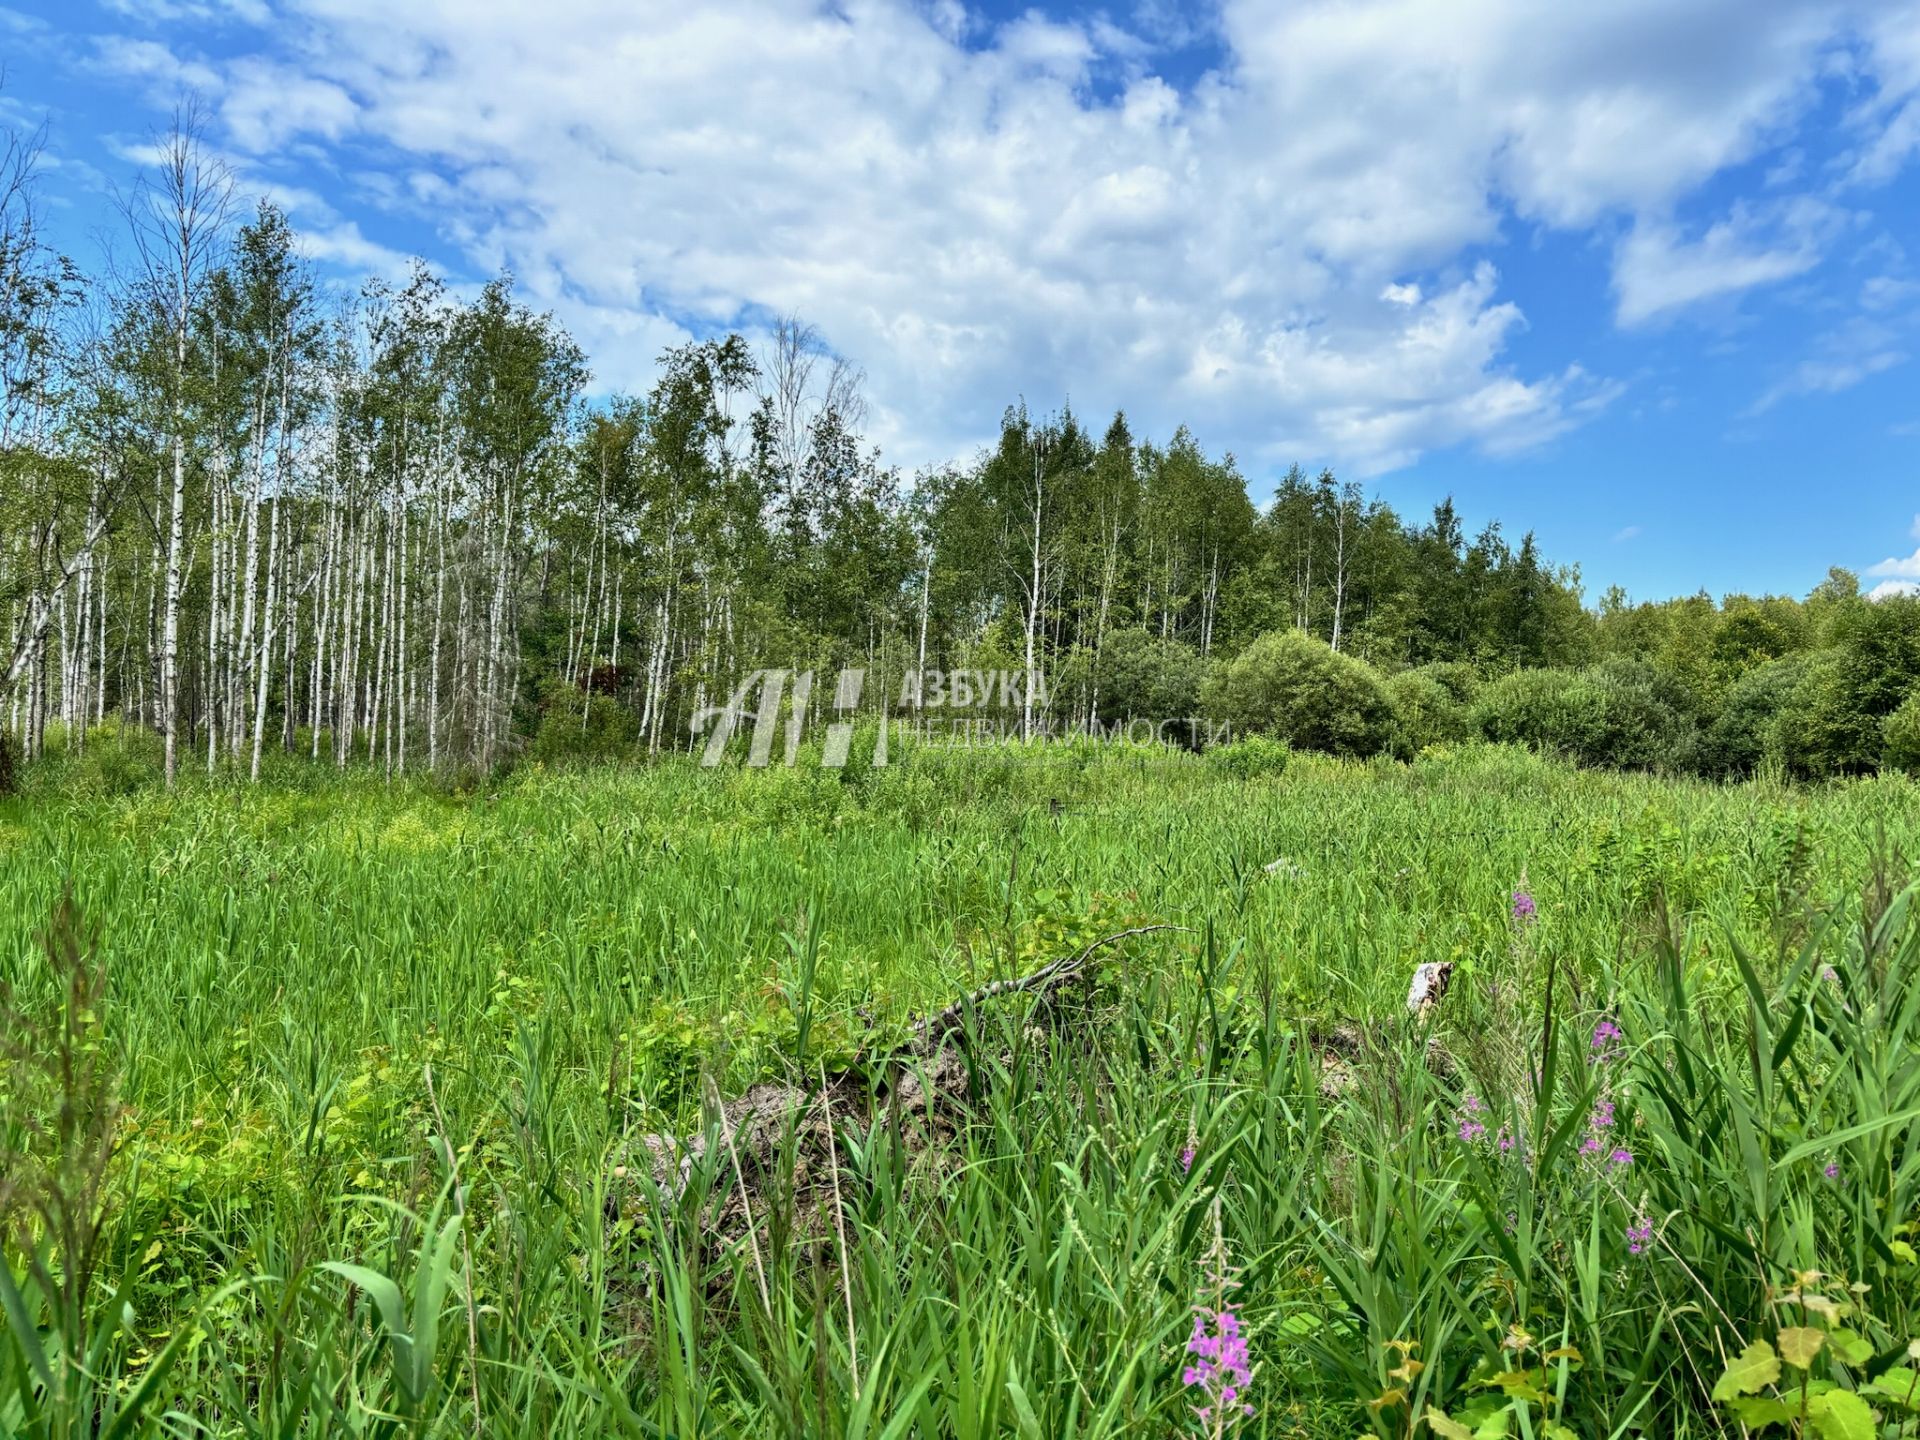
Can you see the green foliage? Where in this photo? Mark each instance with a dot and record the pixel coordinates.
(1142, 676)
(108, 760)
(1745, 733)
(1294, 687)
(577, 726)
(1425, 712)
(1902, 736)
(1461, 681)
(1250, 757)
(388, 1059)
(1834, 721)
(1622, 713)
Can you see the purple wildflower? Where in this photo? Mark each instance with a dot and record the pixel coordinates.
(1832, 1172)
(1471, 1129)
(1506, 1141)
(1602, 1116)
(1186, 1158)
(1606, 1040)
(1639, 1236)
(1220, 1369)
(1523, 906)
(1621, 1156)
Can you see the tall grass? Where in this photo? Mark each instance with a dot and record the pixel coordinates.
(383, 1056)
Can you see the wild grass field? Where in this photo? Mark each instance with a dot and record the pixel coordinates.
(344, 1134)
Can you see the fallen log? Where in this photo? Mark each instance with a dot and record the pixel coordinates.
(777, 1140)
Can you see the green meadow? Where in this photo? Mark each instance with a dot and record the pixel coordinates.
(329, 1096)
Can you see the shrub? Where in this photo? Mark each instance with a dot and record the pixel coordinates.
(1527, 707)
(1292, 686)
(115, 759)
(1250, 757)
(1901, 736)
(1142, 676)
(1622, 714)
(1834, 721)
(1425, 712)
(1459, 679)
(1745, 732)
(582, 726)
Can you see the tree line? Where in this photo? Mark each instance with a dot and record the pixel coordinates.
(248, 514)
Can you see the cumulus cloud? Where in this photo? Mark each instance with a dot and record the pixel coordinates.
(1276, 251)
(1901, 572)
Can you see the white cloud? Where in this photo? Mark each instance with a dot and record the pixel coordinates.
(1276, 253)
(164, 72)
(1626, 533)
(341, 243)
(1843, 358)
(1657, 270)
(1902, 572)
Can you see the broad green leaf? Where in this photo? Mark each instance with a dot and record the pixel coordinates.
(1799, 1344)
(1899, 1385)
(1756, 1412)
(1841, 1415)
(1851, 1346)
(1752, 1369)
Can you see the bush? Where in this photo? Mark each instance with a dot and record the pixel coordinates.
(1142, 676)
(1459, 679)
(1527, 707)
(1901, 737)
(1293, 687)
(1746, 731)
(1834, 722)
(114, 759)
(1247, 759)
(576, 726)
(1622, 714)
(1425, 712)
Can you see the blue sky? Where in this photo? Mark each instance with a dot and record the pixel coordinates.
(1644, 280)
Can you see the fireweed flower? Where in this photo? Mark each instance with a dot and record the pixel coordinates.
(1832, 1172)
(1639, 1236)
(1472, 1128)
(1186, 1158)
(1220, 1367)
(1598, 1142)
(1523, 906)
(1606, 1040)
(1219, 1370)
